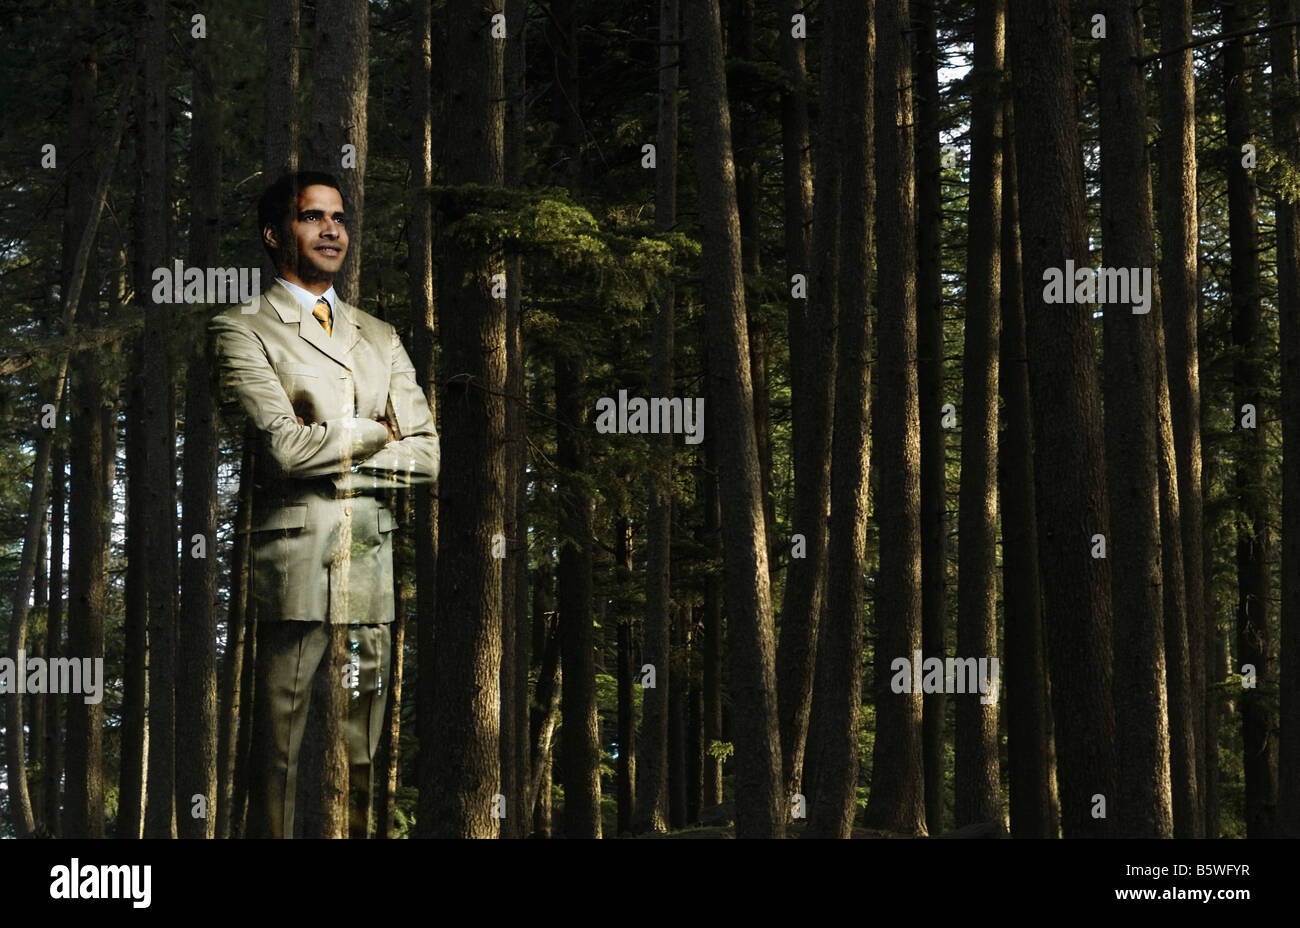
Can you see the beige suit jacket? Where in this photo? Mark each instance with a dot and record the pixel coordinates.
(321, 536)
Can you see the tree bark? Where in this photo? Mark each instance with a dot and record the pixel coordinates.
(1254, 646)
(464, 774)
(760, 810)
(337, 139)
(978, 790)
(196, 688)
(1069, 474)
(1180, 294)
(811, 331)
(1143, 801)
(837, 694)
(514, 594)
(929, 375)
(280, 114)
(1286, 130)
(53, 733)
(1030, 769)
(897, 801)
(238, 655)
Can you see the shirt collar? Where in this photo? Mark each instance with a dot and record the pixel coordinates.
(307, 300)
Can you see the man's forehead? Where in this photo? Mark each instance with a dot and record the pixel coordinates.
(320, 197)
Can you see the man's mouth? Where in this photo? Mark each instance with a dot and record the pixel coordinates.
(332, 251)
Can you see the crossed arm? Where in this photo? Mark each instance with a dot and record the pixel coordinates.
(335, 447)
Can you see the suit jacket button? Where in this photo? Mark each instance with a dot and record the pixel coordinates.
(347, 510)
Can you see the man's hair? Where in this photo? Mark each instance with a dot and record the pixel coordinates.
(275, 207)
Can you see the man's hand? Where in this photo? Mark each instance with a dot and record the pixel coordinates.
(392, 436)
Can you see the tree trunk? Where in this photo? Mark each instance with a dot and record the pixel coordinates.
(464, 772)
(196, 688)
(579, 735)
(514, 594)
(652, 770)
(1180, 294)
(743, 98)
(1029, 719)
(837, 694)
(158, 421)
(711, 645)
(977, 785)
(89, 497)
(53, 734)
(1069, 474)
(1286, 129)
(811, 332)
(238, 654)
(280, 115)
(929, 375)
(1143, 801)
(1254, 645)
(760, 808)
(897, 801)
(336, 140)
(627, 675)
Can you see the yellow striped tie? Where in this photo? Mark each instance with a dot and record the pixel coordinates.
(322, 312)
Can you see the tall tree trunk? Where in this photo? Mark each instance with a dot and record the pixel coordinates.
(196, 688)
(929, 376)
(421, 282)
(897, 801)
(238, 653)
(1069, 474)
(627, 676)
(711, 645)
(652, 770)
(677, 721)
(977, 783)
(1143, 802)
(88, 494)
(837, 694)
(1286, 129)
(280, 115)
(53, 733)
(739, 31)
(541, 723)
(811, 331)
(1179, 284)
(135, 669)
(158, 421)
(514, 594)
(465, 769)
(36, 703)
(426, 501)
(760, 809)
(87, 595)
(336, 139)
(1254, 646)
(1029, 718)
(579, 735)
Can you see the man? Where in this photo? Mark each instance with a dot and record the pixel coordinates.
(333, 397)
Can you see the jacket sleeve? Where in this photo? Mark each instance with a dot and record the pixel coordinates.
(319, 450)
(415, 457)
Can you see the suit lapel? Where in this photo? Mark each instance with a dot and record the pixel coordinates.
(346, 331)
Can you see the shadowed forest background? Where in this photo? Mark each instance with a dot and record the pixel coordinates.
(832, 221)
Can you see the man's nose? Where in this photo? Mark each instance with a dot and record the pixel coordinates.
(331, 229)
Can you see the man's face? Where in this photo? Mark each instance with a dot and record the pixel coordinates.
(318, 239)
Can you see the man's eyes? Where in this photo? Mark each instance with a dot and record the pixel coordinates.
(313, 216)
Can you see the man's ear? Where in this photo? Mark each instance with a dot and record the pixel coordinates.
(268, 236)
